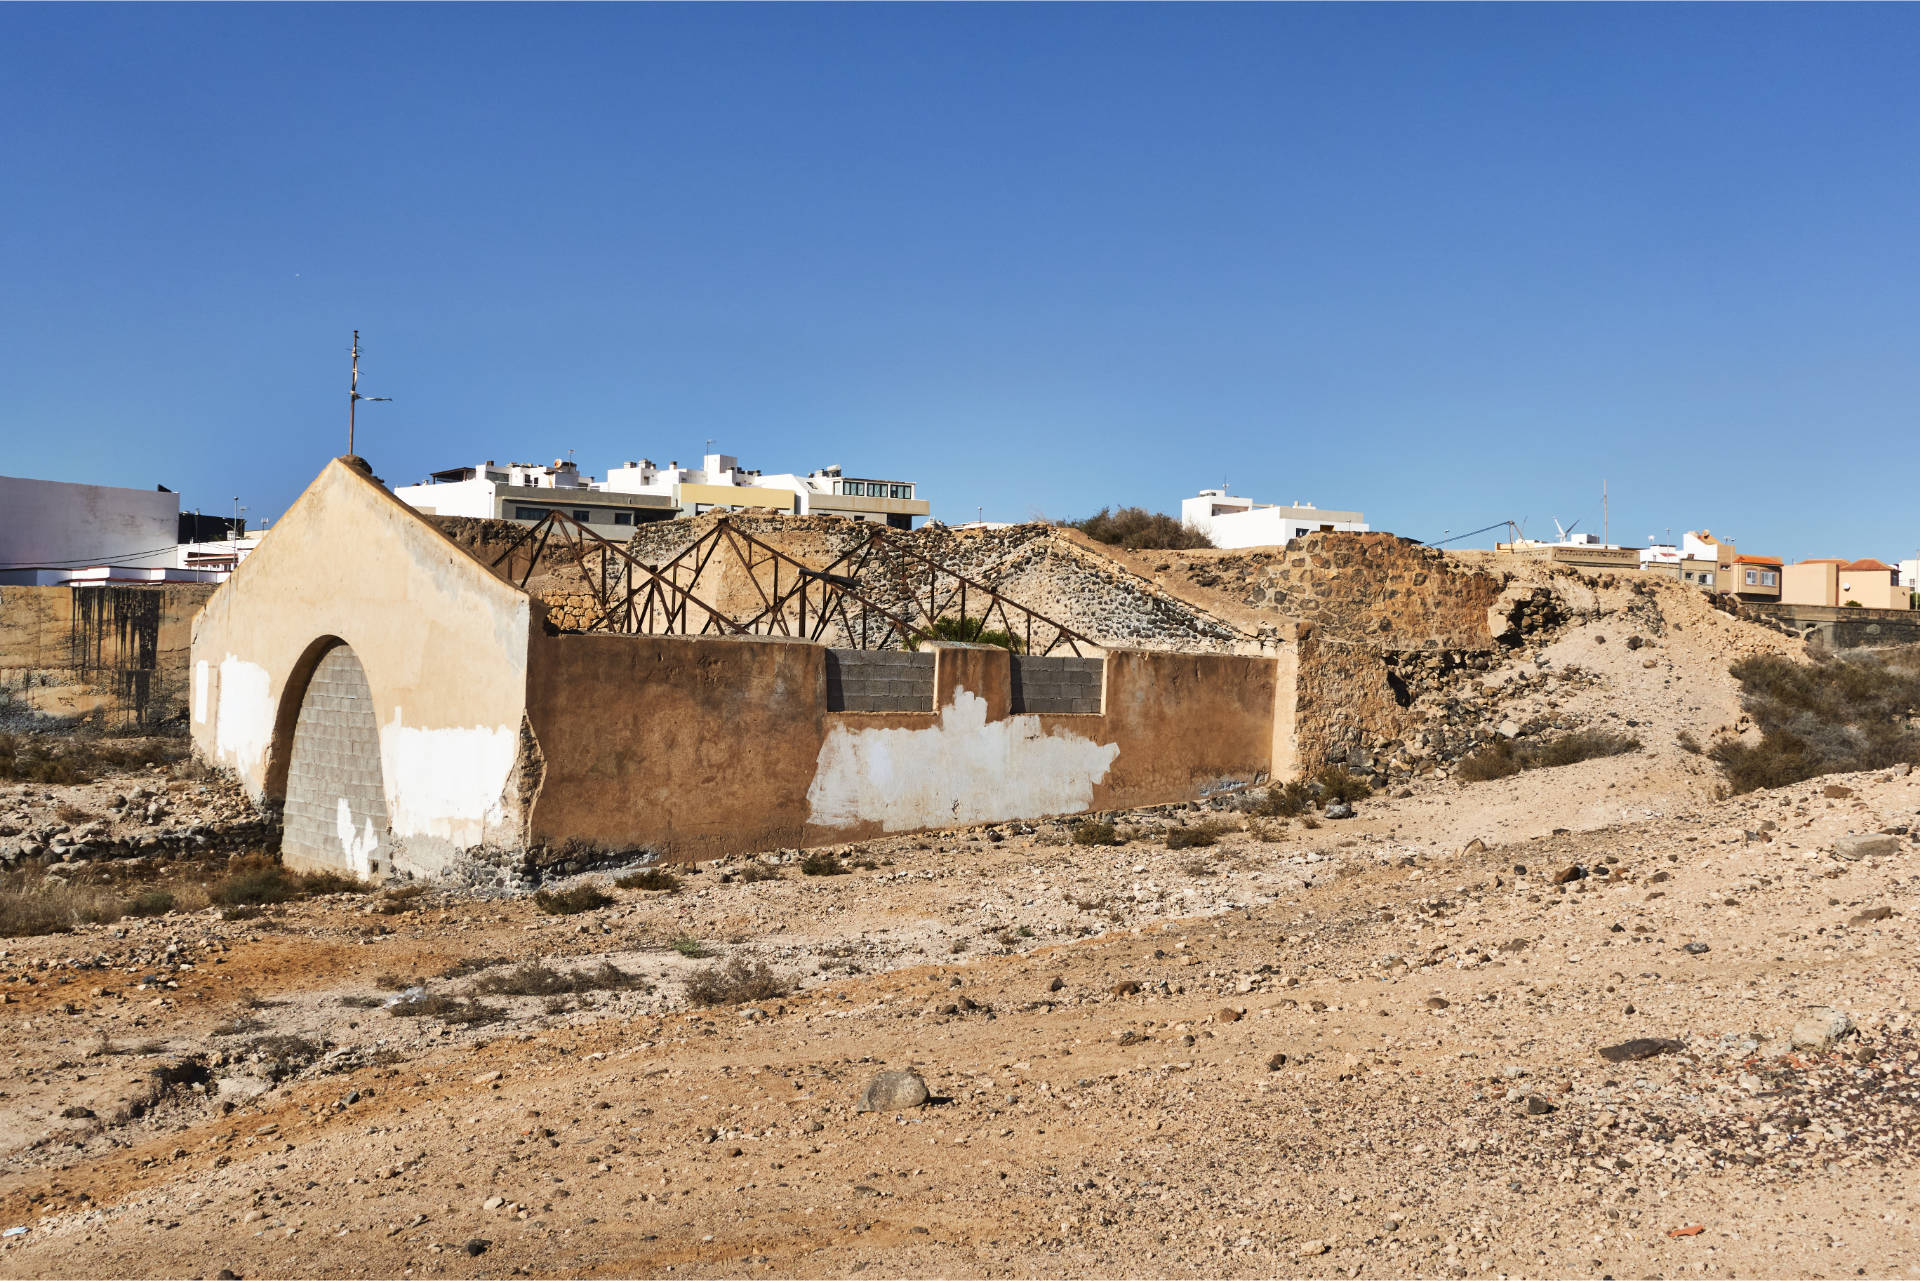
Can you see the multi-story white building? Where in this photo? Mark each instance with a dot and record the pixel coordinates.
(59, 532)
(639, 491)
(1232, 521)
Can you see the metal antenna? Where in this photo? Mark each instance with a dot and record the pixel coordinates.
(353, 391)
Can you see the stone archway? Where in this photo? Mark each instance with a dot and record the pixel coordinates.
(335, 815)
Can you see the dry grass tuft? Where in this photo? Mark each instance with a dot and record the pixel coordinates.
(581, 898)
(1507, 757)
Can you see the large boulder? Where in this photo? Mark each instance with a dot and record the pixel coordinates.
(893, 1091)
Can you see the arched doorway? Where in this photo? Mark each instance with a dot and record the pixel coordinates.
(335, 814)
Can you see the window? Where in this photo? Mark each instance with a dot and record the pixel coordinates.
(1706, 576)
(582, 515)
(1770, 579)
(623, 518)
(1753, 577)
(529, 513)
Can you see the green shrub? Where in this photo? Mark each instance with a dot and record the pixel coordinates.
(1138, 529)
(689, 946)
(581, 898)
(970, 631)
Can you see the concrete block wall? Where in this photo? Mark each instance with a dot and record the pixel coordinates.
(879, 680)
(335, 760)
(1057, 686)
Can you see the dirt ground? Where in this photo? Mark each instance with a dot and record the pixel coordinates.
(1371, 1047)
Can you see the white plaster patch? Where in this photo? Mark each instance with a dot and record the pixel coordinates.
(356, 850)
(245, 717)
(201, 672)
(962, 770)
(446, 783)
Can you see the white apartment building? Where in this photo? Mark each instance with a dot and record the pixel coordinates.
(60, 532)
(638, 491)
(1232, 521)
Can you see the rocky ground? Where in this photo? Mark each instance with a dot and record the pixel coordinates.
(1589, 1020)
(1363, 1048)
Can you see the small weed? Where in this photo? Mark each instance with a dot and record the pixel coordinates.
(391, 982)
(72, 815)
(689, 946)
(735, 980)
(240, 1026)
(581, 898)
(1309, 822)
(362, 1002)
(822, 863)
(1268, 830)
(656, 879)
(1688, 743)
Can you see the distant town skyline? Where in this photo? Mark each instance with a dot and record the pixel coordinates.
(1446, 265)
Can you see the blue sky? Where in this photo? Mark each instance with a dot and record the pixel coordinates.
(1448, 265)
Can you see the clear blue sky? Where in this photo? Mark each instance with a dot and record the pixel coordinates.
(1448, 265)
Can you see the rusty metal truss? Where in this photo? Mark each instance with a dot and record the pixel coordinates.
(781, 595)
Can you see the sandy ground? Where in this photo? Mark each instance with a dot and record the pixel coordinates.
(1315, 1055)
(1367, 1048)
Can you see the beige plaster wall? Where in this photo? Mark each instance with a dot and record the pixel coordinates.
(698, 746)
(443, 642)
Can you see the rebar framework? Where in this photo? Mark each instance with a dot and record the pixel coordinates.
(790, 598)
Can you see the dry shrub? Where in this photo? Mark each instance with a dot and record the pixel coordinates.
(1198, 836)
(1504, 758)
(822, 863)
(1139, 529)
(757, 871)
(1092, 833)
(734, 980)
(447, 1009)
(1336, 783)
(1199, 867)
(401, 898)
(1268, 830)
(72, 815)
(257, 881)
(79, 757)
(534, 978)
(30, 907)
(581, 898)
(656, 879)
(1285, 800)
(155, 902)
(1837, 715)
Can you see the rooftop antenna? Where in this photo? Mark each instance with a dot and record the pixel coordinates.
(1603, 514)
(353, 392)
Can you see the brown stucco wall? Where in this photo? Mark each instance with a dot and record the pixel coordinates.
(442, 641)
(700, 746)
(117, 653)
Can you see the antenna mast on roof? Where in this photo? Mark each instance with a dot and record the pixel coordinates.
(353, 391)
